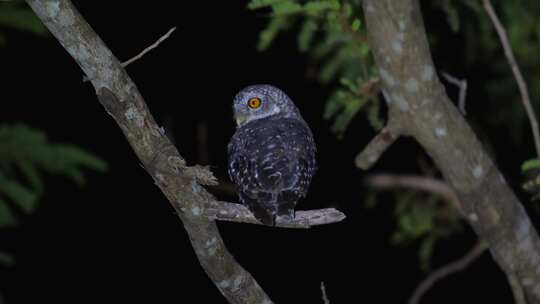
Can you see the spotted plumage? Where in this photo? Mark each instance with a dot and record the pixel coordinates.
(272, 153)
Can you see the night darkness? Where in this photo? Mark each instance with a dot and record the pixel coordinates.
(117, 239)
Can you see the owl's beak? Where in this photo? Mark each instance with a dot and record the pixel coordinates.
(240, 119)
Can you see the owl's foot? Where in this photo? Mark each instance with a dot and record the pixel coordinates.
(286, 212)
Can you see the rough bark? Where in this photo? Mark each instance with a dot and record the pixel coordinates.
(418, 103)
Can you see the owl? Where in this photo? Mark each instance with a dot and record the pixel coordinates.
(271, 154)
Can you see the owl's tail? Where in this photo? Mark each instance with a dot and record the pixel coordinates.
(265, 215)
(263, 207)
(266, 209)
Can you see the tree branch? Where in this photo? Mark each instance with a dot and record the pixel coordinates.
(525, 99)
(446, 270)
(418, 102)
(414, 182)
(232, 212)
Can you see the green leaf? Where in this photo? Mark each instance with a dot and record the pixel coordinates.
(76, 156)
(530, 164)
(256, 4)
(355, 26)
(349, 84)
(7, 218)
(76, 176)
(267, 36)
(342, 120)
(417, 222)
(25, 151)
(31, 173)
(286, 8)
(307, 32)
(21, 18)
(317, 7)
(332, 66)
(25, 198)
(364, 50)
(334, 104)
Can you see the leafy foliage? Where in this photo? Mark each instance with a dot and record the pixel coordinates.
(423, 218)
(530, 164)
(19, 16)
(330, 32)
(25, 154)
(531, 183)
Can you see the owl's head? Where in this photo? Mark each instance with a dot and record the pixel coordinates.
(260, 101)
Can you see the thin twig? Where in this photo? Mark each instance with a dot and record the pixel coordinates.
(517, 72)
(462, 85)
(446, 270)
(149, 48)
(143, 52)
(324, 296)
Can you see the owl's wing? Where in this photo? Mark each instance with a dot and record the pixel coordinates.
(241, 171)
(300, 147)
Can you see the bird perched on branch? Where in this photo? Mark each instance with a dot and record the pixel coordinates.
(271, 154)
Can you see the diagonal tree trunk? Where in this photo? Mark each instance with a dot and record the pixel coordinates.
(179, 183)
(419, 107)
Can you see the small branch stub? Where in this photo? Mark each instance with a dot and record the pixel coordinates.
(462, 85)
(375, 148)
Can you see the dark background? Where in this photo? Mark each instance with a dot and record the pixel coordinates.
(118, 239)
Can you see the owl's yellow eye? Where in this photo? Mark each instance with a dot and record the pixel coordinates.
(254, 102)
